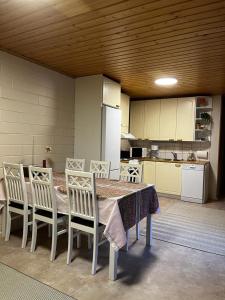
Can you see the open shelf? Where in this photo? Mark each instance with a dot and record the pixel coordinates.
(208, 108)
(203, 105)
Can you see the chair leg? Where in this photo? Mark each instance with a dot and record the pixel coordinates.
(95, 253)
(29, 220)
(78, 241)
(8, 226)
(70, 245)
(34, 235)
(25, 230)
(138, 231)
(54, 241)
(127, 243)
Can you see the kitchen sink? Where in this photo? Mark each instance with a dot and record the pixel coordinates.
(178, 160)
(168, 159)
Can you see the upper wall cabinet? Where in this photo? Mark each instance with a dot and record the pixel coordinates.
(125, 109)
(168, 116)
(185, 127)
(137, 118)
(165, 119)
(152, 119)
(111, 92)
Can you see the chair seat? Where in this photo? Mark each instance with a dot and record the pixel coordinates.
(84, 222)
(18, 205)
(47, 214)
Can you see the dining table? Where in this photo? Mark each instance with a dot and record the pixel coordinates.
(121, 206)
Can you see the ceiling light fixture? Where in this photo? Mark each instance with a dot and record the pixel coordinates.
(166, 81)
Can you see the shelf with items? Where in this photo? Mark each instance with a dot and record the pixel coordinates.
(203, 102)
(204, 107)
(203, 118)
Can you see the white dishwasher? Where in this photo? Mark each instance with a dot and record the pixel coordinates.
(194, 183)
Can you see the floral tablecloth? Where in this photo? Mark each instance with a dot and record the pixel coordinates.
(117, 202)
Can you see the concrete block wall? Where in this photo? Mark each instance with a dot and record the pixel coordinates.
(36, 110)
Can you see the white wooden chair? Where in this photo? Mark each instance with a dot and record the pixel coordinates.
(75, 164)
(44, 205)
(100, 168)
(132, 172)
(83, 210)
(17, 202)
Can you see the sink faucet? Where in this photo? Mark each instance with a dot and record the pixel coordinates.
(174, 155)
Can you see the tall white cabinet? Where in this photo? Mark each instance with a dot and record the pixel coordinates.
(125, 112)
(91, 92)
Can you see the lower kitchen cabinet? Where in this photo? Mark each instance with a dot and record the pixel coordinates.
(168, 178)
(149, 172)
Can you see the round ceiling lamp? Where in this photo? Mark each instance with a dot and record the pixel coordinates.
(166, 81)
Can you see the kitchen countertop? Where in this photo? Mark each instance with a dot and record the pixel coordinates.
(195, 162)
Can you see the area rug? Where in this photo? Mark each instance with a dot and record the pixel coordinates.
(192, 226)
(17, 286)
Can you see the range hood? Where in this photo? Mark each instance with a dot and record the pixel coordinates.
(128, 136)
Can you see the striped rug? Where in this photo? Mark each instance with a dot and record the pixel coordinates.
(192, 226)
(17, 286)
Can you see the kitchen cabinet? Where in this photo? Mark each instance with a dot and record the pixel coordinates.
(165, 119)
(152, 119)
(125, 109)
(93, 120)
(149, 172)
(168, 178)
(168, 119)
(137, 118)
(185, 126)
(111, 92)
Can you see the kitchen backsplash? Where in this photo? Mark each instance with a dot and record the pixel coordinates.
(183, 149)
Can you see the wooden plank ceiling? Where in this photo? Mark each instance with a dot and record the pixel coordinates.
(132, 41)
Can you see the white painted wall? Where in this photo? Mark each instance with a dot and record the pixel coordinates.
(36, 109)
(214, 150)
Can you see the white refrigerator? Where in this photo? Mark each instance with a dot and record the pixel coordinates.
(110, 150)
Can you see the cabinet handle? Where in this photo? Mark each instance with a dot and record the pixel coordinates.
(177, 165)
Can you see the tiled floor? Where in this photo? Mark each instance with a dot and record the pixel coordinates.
(165, 271)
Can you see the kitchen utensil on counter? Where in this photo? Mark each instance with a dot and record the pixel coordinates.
(191, 157)
(202, 154)
(154, 153)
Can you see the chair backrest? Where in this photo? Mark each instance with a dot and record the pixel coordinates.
(43, 194)
(81, 191)
(75, 164)
(100, 168)
(131, 172)
(15, 183)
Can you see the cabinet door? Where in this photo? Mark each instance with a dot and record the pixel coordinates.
(111, 92)
(152, 119)
(168, 178)
(125, 108)
(185, 119)
(149, 172)
(137, 109)
(168, 119)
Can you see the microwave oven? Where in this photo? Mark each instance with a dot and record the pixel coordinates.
(136, 152)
